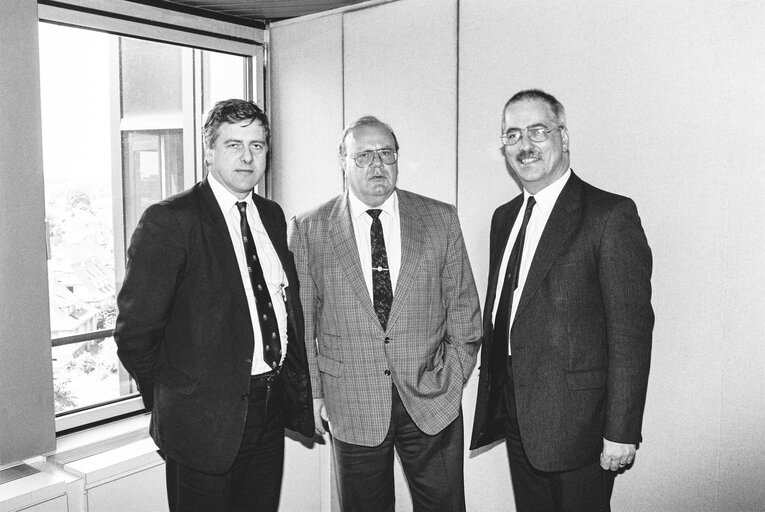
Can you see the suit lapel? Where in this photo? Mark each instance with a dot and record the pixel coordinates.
(412, 252)
(560, 228)
(497, 248)
(221, 244)
(344, 247)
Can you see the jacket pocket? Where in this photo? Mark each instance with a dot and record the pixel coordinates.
(329, 366)
(590, 379)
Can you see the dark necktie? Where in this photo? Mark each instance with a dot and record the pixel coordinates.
(382, 291)
(269, 328)
(504, 308)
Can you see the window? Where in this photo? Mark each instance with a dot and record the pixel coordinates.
(121, 123)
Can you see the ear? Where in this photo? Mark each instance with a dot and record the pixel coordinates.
(564, 139)
(343, 164)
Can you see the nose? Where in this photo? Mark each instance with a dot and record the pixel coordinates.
(376, 160)
(525, 142)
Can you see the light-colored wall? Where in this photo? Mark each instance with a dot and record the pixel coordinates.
(306, 111)
(408, 81)
(665, 105)
(26, 381)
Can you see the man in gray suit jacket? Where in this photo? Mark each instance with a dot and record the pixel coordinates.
(569, 300)
(392, 329)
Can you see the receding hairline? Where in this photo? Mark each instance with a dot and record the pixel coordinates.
(366, 121)
(556, 107)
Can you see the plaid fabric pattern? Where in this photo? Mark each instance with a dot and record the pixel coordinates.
(429, 345)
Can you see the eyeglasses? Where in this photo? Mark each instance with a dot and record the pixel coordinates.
(387, 156)
(535, 134)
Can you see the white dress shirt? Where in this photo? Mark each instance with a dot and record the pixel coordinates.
(276, 279)
(391, 225)
(545, 200)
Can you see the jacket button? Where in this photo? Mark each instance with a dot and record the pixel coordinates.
(387, 340)
(387, 372)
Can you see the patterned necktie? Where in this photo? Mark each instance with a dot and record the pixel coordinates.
(382, 291)
(504, 308)
(269, 328)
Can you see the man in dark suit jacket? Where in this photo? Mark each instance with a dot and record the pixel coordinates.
(211, 328)
(569, 398)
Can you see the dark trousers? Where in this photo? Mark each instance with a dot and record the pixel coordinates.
(253, 484)
(433, 466)
(585, 489)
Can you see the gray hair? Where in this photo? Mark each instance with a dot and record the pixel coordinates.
(537, 94)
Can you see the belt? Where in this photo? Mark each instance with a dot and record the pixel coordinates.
(264, 377)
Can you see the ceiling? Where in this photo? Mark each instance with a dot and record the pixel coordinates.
(249, 11)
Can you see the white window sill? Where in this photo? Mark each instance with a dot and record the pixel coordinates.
(107, 452)
(84, 460)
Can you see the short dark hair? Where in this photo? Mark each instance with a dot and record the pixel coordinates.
(537, 94)
(232, 111)
(365, 121)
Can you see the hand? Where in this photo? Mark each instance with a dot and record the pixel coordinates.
(616, 456)
(319, 415)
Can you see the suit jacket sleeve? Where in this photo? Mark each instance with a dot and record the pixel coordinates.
(625, 281)
(156, 259)
(463, 313)
(309, 299)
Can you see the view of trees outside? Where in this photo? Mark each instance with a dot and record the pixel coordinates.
(74, 67)
(81, 280)
(78, 69)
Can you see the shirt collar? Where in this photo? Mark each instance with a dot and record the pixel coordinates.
(546, 197)
(358, 208)
(226, 200)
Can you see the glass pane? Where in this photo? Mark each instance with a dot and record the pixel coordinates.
(76, 122)
(223, 78)
(151, 78)
(119, 134)
(86, 373)
(152, 163)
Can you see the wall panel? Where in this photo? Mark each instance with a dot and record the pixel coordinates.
(26, 374)
(400, 64)
(306, 111)
(654, 93)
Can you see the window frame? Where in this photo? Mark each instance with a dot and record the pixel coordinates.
(129, 19)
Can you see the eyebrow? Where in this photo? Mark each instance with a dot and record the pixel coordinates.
(259, 141)
(378, 149)
(529, 127)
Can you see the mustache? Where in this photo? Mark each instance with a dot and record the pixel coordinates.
(527, 154)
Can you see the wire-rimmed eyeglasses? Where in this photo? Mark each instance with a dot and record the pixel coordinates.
(535, 134)
(387, 156)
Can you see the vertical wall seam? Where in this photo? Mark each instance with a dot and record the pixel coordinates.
(457, 108)
(342, 83)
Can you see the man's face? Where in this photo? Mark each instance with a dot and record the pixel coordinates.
(374, 183)
(537, 164)
(238, 157)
